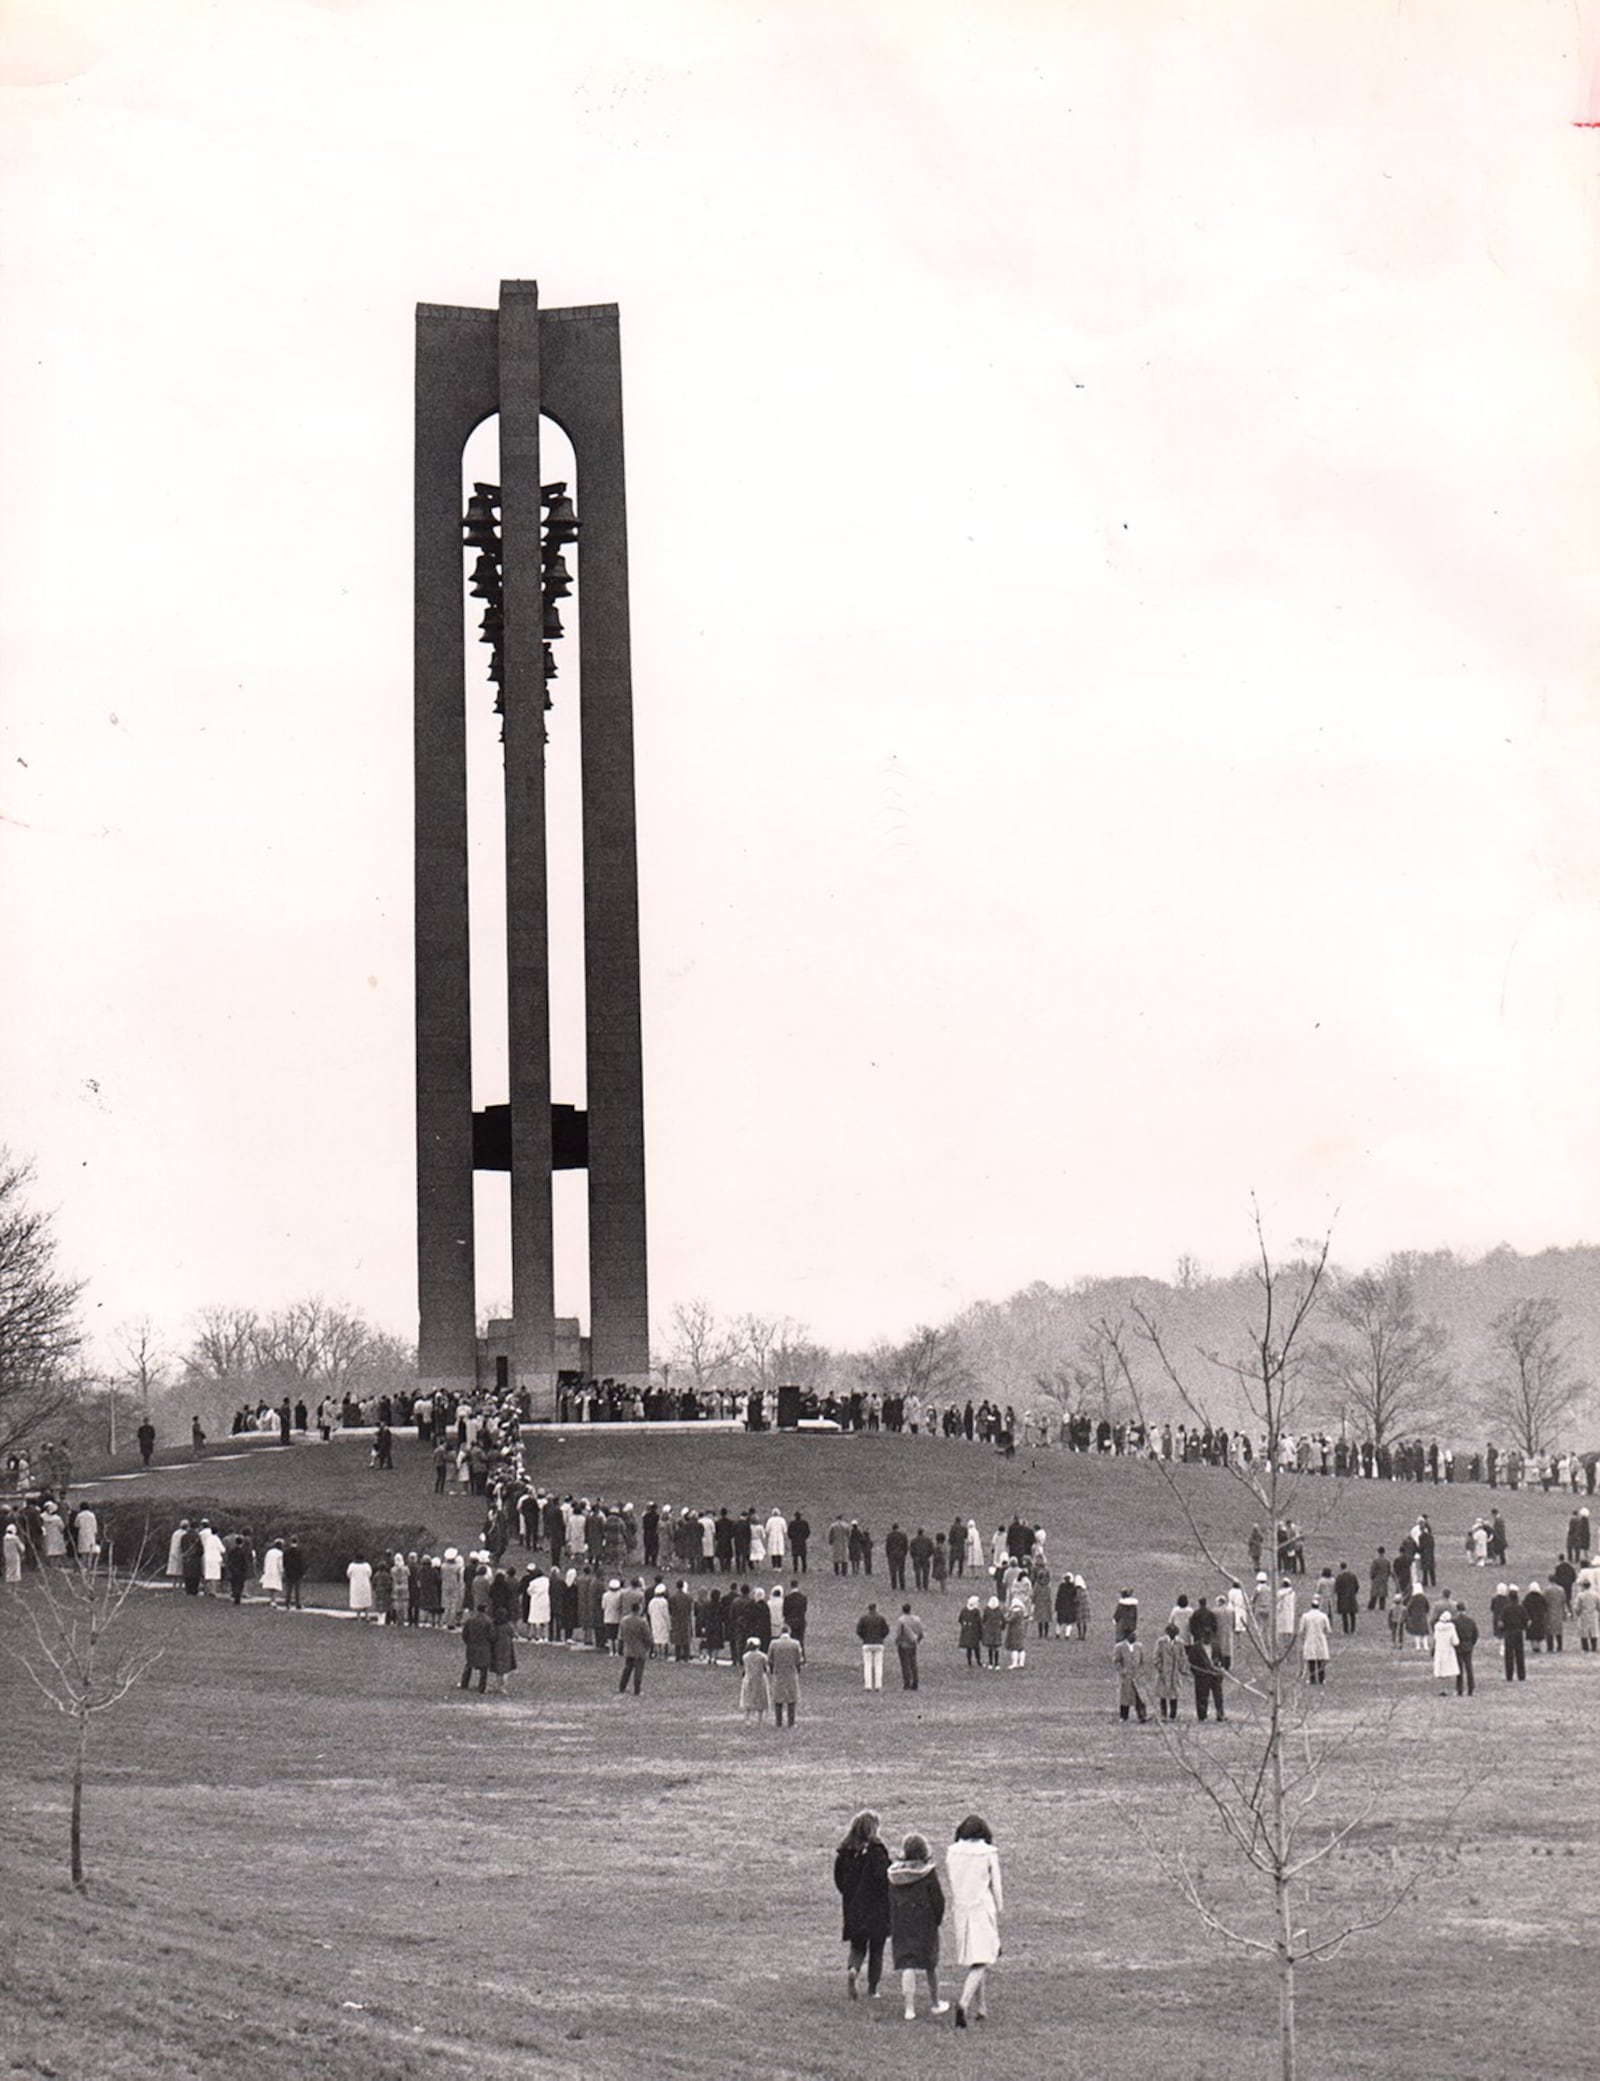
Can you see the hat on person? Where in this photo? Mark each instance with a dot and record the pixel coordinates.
(972, 1604)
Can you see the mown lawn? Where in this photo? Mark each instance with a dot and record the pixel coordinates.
(310, 1855)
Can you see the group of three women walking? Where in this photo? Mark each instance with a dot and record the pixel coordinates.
(900, 1901)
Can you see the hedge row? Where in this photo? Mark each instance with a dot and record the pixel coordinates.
(141, 1528)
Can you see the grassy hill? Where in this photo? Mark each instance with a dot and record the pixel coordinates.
(312, 1857)
(1104, 1518)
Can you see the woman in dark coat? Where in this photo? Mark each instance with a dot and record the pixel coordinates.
(713, 1630)
(861, 1875)
(916, 1908)
(502, 1650)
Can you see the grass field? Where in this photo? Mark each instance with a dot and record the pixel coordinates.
(311, 1856)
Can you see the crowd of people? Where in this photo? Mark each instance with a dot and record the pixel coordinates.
(444, 1416)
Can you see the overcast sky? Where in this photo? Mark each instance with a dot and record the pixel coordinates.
(1113, 516)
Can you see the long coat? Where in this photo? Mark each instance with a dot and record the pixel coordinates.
(975, 1901)
(861, 1874)
(1127, 1658)
(783, 1658)
(916, 1908)
(477, 1637)
(755, 1693)
(503, 1647)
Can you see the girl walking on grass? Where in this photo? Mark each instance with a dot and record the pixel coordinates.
(973, 1866)
(916, 1908)
(861, 1877)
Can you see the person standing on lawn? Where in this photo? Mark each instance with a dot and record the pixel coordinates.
(1466, 1641)
(633, 1644)
(1127, 1658)
(916, 1908)
(477, 1639)
(861, 1877)
(1171, 1662)
(973, 1866)
(236, 1564)
(359, 1576)
(294, 1574)
(872, 1630)
(755, 1688)
(1512, 1628)
(1315, 1643)
(907, 1639)
(502, 1648)
(1446, 1655)
(146, 1436)
(784, 1658)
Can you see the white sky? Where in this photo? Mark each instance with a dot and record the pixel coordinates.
(1113, 515)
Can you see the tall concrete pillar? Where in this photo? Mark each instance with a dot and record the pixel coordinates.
(456, 387)
(583, 394)
(533, 1289)
(522, 362)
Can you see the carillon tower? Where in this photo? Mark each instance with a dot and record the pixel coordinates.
(523, 547)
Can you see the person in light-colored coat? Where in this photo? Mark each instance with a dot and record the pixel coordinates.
(783, 1664)
(973, 1866)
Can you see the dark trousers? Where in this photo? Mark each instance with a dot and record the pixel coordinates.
(1316, 1672)
(908, 1667)
(1207, 1692)
(237, 1587)
(897, 1573)
(633, 1668)
(1464, 1684)
(291, 1596)
(1516, 1667)
(1347, 1621)
(870, 1949)
(780, 1709)
(483, 1679)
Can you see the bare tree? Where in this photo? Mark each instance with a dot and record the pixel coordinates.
(68, 1619)
(141, 1360)
(703, 1345)
(39, 1334)
(761, 1339)
(1262, 1790)
(1387, 1368)
(1535, 1387)
(223, 1349)
(929, 1362)
(1100, 1374)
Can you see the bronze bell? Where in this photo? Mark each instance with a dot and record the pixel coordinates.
(552, 623)
(561, 523)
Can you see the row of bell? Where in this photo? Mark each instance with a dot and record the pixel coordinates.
(492, 627)
(492, 636)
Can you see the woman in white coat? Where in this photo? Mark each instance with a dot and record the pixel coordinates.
(1446, 1665)
(973, 1865)
(272, 1571)
(974, 1547)
(538, 1595)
